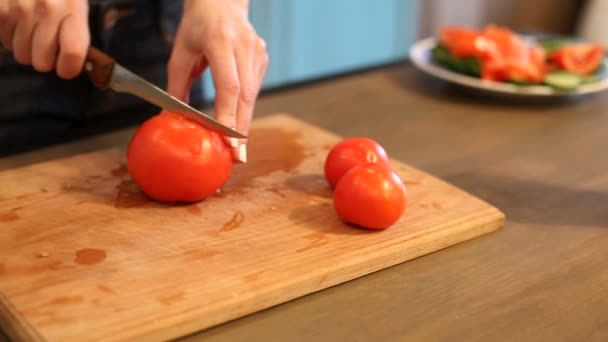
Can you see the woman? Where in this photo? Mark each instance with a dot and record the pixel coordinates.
(168, 42)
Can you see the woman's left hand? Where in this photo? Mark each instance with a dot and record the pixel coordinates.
(218, 35)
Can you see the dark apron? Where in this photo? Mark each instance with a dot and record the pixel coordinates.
(37, 107)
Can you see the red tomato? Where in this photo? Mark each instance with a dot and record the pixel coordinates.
(527, 69)
(524, 72)
(511, 71)
(580, 59)
(494, 70)
(371, 196)
(508, 45)
(538, 57)
(493, 42)
(351, 152)
(460, 41)
(173, 159)
(503, 55)
(463, 42)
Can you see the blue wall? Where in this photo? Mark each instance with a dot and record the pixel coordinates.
(308, 39)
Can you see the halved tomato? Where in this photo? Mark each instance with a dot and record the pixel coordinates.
(462, 42)
(503, 55)
(538, 57)
(507, 43)
(580, 59)
(525, 72)
(511, 70)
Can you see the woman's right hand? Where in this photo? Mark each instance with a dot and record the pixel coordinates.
(48, 34)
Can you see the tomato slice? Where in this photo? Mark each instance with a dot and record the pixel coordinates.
(494, 70)
(500, 70)
(523, 72)
(463, 43)
(538, 57)
(507, 43)
(503, 55)
(580, 59)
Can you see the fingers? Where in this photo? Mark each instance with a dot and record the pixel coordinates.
(46, 33)
(245, 59)
(22, 38)
(219, 34)
(263, 60)
(45, 45)
(74, 40)
(226, 82)
(185, 66)
(7, 25)
(252, 63)
(179, 68)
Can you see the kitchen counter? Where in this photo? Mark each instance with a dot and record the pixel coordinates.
(544, 163)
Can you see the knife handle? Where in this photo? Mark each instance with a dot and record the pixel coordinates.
(98, 65)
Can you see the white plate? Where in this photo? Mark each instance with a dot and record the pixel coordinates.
(420, 55)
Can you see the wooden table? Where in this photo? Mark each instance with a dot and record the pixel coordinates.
(545, 164)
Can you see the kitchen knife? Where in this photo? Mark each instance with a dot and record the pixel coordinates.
(105, 73)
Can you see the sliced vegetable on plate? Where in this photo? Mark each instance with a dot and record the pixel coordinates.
(500, 55)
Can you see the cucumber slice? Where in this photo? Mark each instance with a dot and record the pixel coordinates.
(590, 79)
(563, 80)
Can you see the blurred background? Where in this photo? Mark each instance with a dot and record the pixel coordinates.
(308, 40)
(314, 39)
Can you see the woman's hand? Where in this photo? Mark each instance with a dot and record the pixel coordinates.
(48, 34)
(218, 34)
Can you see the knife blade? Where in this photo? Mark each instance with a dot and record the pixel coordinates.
(105, 73)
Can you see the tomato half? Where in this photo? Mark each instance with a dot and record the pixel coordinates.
(507, 43)
(581, 59)
(511, 71)
(370, 196)
(173, 159)
(538, 57)
(463, 43)
(503, 55)
(351, 152)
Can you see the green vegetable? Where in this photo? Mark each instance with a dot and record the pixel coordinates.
(468, 66)
(590, 79)
(564, 80)
(520, 83)
(553, 44)
(558, 79)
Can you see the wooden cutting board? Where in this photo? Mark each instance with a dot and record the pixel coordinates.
(85, 256)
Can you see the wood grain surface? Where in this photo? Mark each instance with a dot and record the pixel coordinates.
(85, 256)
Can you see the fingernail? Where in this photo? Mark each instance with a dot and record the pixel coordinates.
(242, 153)
(234, 142)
